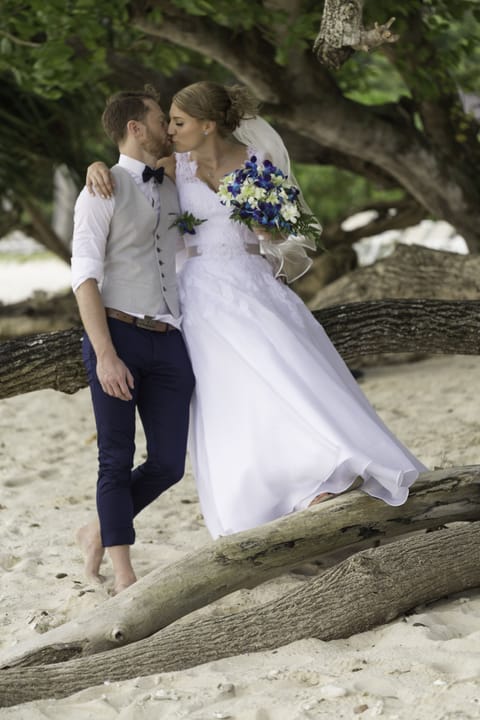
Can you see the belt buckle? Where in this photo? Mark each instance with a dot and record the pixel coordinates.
(147, 323)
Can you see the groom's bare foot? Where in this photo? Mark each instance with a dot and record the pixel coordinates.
(123, 582)
(88, 538)
(124, 574)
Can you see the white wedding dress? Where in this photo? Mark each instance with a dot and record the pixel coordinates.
(276, 417)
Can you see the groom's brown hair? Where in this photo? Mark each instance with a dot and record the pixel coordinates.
(125, 106)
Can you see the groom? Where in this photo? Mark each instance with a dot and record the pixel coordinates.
(123, 276)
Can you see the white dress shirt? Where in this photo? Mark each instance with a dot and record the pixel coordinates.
(93, 215)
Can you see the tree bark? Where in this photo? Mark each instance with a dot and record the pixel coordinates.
(47, 360)
(404, 326)
(251, 557)
(370, 588)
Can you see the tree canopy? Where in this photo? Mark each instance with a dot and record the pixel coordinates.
(393, 119)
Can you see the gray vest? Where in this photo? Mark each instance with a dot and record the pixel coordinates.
(139, 270)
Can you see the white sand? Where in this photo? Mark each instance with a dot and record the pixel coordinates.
(425, 666)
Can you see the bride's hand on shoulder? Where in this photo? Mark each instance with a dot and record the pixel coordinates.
(99, 180)
(168, 163)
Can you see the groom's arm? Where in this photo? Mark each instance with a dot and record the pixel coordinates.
(91, 229)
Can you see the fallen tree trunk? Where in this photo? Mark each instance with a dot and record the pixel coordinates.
(403, 326)
(251, 557)
(368, 589)
(53, 360)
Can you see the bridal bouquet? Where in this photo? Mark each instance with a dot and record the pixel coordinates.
(262, 198)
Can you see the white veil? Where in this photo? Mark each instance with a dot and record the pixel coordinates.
(287, 257)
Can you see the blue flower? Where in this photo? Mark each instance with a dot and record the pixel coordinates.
(251, 164)
(264, 181)
(234, 188)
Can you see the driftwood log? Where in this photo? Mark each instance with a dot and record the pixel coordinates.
(53, 360)
(370, 588)
(251, 557)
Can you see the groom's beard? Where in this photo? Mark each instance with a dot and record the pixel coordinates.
(155, 146)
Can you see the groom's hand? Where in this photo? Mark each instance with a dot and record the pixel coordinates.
(114, 377)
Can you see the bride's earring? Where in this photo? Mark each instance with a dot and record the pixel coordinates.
(205, 132)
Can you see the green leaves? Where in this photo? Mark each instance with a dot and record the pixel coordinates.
(55, 46)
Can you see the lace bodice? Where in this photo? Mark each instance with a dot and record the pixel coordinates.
(218, 235)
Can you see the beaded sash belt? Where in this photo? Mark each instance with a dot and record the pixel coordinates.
(196, 250)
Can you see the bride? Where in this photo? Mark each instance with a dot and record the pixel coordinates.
(277, 420)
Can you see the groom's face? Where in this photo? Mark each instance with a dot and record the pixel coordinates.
(154, 138)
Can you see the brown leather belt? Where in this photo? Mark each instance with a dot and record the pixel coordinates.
(147, 322)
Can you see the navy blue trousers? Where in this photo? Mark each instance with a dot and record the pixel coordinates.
(164, 383)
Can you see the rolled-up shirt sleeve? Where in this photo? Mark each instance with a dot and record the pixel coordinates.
(92, 218)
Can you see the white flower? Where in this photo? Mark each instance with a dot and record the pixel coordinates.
(252, 193)
(289, 211)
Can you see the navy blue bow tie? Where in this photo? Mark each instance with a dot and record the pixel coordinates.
(149, 172)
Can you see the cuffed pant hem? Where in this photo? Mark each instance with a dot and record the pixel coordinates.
(120, 536)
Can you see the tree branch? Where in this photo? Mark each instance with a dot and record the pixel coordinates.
(18, 41)
(341, 32)
(249, 56)
(370, 38)
(400, 150)
(44, 232)
(126, 72)
(305, 150)
(390, 215)
(53, 360)
(422, 326)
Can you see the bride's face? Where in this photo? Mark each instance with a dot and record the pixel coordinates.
(186, 132)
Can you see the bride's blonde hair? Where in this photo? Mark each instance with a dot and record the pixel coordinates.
(227, 105)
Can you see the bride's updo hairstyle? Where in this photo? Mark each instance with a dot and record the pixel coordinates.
(224, 104)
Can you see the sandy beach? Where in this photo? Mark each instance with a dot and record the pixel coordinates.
(423, 666)
(20, 278)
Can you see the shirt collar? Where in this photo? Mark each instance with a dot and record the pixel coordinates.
(134, 167)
